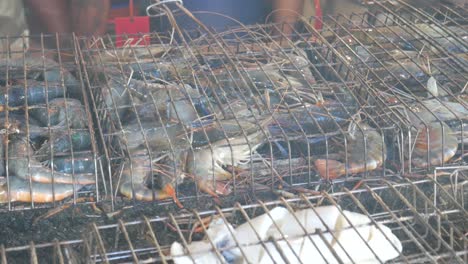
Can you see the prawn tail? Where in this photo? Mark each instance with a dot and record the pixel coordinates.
(440, 144)
(370, 165)
(335, 168)
(141, 192)
(215, 190)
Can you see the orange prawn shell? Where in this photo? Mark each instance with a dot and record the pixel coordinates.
(432, 139)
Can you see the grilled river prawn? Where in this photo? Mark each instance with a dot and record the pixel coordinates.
(294, 103)
(366, 151)
(435, 145)
(16, 123)
(41, 70)
(61, 112)
(213, 143)
(159, 137)
(41, 192)
(26, 166)
(19, 188)
(435, 121)
(226, 145)
(36, 105)
(152, 100)
(137, 172)
(34, 93)
(46, 184)
(196, 163)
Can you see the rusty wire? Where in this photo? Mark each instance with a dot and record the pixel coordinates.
(34, 81)
(357, 63)
(431, 229)
(242, 65)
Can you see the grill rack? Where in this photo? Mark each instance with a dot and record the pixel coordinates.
(455, 184)
(108, 123)
(237, 50)
(447, 66)
(57, 113)
(430, 221)
(440, 12)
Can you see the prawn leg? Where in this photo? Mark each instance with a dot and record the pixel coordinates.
(214, 190)
(59, 209)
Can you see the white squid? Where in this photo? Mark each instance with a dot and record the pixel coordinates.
(351, 236)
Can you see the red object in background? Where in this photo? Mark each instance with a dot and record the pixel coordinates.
(318, 13)
(136, 27)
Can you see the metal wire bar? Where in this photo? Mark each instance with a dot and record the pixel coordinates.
(424, 228)
(367, 67)
(45, 112)
(220, 87)
(243, 66)
(234, 116)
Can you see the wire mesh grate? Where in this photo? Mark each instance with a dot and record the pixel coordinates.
(415, 66)
(250, 114)
(248, 110)
(48, 150)
(425, 222)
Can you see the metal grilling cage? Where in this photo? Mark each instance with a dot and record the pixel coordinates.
(248, 110)
(415, 62)
(342, 144)
(426, 216)
(48, 151)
